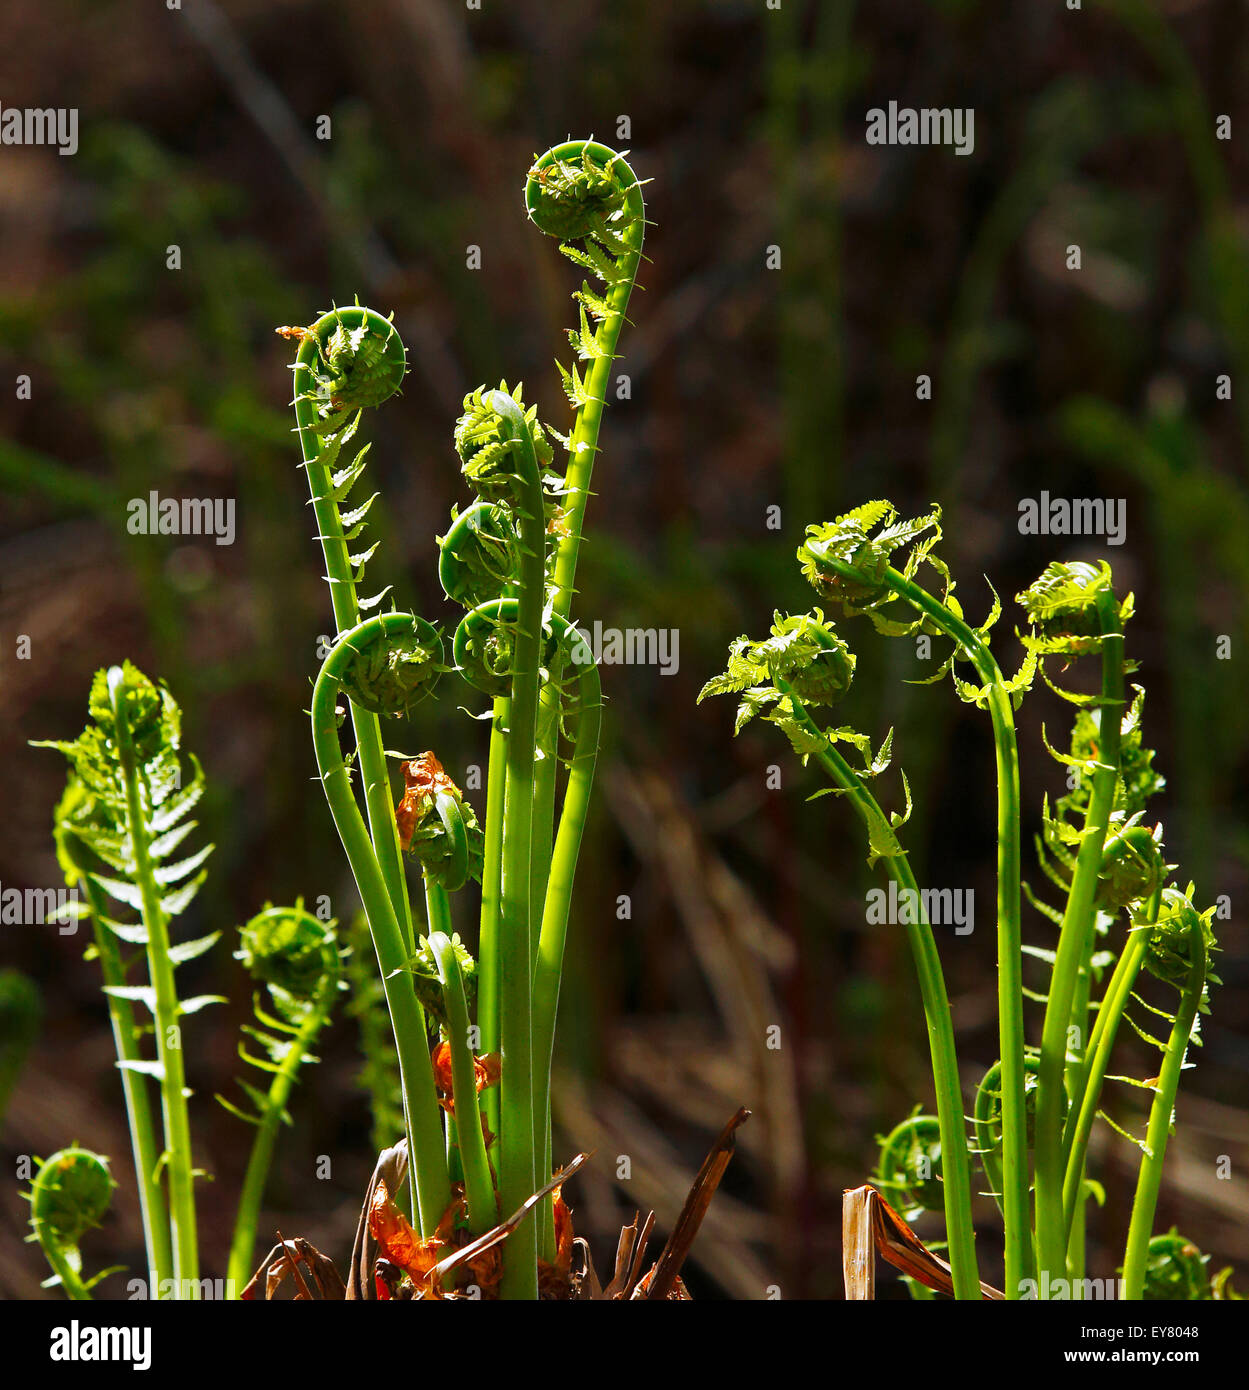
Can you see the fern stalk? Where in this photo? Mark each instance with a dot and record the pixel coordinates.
(153, 1211)
(1073, 939)
(1161, 1114)
(431, 1188)
(243, 1243)
(165, 1010)
(956, 1168)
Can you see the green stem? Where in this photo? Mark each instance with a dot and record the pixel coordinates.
(63, 1267)
(165, 1011)
(517, 1168)
(491, 897)
(563, 868)
(1086, 1096)
(1015, 1180)
(242, 1246)
(153, 1210)
(1073, 939)
(987, 1141)
(432, 1186)
(483, 1211)
(956, 1168)
(1161, 1113)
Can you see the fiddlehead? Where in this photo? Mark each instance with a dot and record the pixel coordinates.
(295, 957)
(479, 556)
(437, 825)
(586, 194)
(132, 817)
(802, 654)
(350, 360)
(1074, 611)
(909, 1170)
(850, 562)
(71, 1194)
(1177, 1272)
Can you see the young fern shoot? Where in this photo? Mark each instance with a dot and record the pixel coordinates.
(509, 559)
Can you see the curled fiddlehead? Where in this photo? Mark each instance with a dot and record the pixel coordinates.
(392, 666)
(295, 957)
(478, 557)
(1177, 1271)
(585, 194)
(909, 1170)
(493, 452)
(351, 360)
(437, 825)
(71, 1194)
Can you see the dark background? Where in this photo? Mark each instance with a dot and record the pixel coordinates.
(751, 388)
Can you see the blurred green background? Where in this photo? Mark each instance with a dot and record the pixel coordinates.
(751, 388)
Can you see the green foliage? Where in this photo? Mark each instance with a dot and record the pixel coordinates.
(488, 448)
(135, 837)
(1177, 1272)
(1170, 953)
(846, 560)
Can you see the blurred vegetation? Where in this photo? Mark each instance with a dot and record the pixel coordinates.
(751, 389)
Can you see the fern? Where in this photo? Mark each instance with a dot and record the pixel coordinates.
(128, 808)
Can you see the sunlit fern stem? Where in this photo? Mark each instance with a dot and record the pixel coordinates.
(1014, 1186)
(563, 868)
(438, 914)
(177, 1151)
(153, 1209)
(517, 1167)
(1073, 938)
(956, 1167)
(71, 1280)
(1085, 1095)
(491, 896)
(338, 575)
(239, 1267)
(1161, 1112)
(432, 1190)
(483, 1211)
